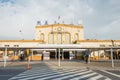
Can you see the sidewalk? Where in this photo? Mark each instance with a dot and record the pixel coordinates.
(64, 64)
(82, 64)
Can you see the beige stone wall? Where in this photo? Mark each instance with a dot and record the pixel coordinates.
(98, 43)
(20, 43)
(56, 29)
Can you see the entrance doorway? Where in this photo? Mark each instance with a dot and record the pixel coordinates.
(52, 55)
(66, 55)
(55, 55)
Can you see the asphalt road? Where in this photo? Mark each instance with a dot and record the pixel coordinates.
(69, 70)
(5, 74)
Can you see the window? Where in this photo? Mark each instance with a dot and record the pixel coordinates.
(67, 36)
(16, 45)
(51, 39)
(110, 45)
(41, 36)
(118, 45)
(76, 36)
(102, 45)
(59, 38)
(7, 45)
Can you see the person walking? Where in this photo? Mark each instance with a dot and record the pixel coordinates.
(86, 58)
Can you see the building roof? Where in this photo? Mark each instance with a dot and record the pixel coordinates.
(43, 41)
(56, 25)
(98, 41)
(21, 41)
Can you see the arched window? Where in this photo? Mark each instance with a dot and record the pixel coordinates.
(59, 38)
(50, 38)
(76, 36)
(67, 38)
(41, 36)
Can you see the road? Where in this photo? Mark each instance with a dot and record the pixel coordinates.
(5, 74)
(49, 70)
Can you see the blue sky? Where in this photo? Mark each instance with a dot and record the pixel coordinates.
(101, 18)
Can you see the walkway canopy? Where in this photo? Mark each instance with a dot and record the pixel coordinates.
(59, 46)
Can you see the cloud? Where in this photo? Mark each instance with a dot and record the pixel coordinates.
(23, 15)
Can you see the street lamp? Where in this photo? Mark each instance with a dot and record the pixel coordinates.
(112, 43)
(112, 53)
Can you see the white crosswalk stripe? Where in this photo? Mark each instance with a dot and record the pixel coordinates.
(96, 77)
(41, 73)
(59, 74)
(111, 73)
(70, 73)
(74, 75)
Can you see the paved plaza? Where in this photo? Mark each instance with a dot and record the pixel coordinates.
(68, 70)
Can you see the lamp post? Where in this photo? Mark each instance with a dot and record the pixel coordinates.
(112, 53)
(112, 43)
(5, 57)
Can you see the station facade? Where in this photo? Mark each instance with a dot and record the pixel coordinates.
(62, 34)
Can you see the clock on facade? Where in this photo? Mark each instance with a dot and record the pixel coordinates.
(59, 28)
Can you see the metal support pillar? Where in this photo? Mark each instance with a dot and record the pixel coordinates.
(98, 54)
(5, 57)
(32, 54)
(59, 57)
(19, 52)
(93, 54)
(74, 55)
(104, 54)
(15, 52)
(89, 53)
(62, 55)
(55, 54)
(117, 53)
(112, 58)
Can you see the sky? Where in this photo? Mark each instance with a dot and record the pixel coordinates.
(100, 18)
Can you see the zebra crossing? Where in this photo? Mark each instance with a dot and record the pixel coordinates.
(59, 74)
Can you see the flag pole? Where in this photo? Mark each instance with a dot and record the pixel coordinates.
(58, 19)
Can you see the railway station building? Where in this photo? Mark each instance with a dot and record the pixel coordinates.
(58, 34)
